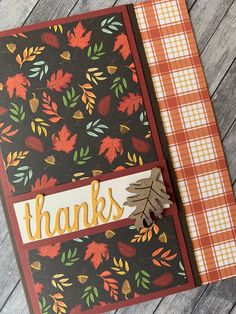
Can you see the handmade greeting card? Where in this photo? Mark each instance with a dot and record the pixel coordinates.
(93, 197)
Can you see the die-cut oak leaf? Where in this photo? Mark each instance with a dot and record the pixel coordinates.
(96, 252)
(130, 103)
(59, 80)
(64, 142)
(80, 38)
(122, 44)
(17, 85)
(51, 250)
(111, 147)
(149, 199)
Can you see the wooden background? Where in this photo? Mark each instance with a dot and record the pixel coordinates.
(214, 23)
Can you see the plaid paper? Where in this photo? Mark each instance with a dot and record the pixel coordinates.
(192, 135)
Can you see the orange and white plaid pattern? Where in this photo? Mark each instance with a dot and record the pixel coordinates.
(192, 135)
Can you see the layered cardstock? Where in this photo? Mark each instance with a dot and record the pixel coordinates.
(96, 209)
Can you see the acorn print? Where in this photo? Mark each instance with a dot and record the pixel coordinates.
(124, 129)
(111, 69)
(78, 115)
(34, 103)
(82, 279)
(36, 265)
(163, 238)
(97, 173)
(109, 234)
(11, 47)
(51, 160)
(66, 55)
(126, 288)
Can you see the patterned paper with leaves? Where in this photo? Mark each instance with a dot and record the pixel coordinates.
(71, 99)
(112, 266)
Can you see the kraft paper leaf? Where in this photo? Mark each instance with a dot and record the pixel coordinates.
(149, 199)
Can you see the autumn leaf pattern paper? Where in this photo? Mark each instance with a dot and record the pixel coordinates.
(105, 268)
(62, 88)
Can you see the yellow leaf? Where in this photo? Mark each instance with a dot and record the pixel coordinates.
(126, 266)
(115, 262)
(122, 273)
(54, 283)
(120, 263)
(33, 126)
(58, 275)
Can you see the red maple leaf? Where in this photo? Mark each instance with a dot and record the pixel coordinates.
(130, 103)
(64, 142)
(58, 81)
(51, 250)
(111, 146)
(38, 287)
(17, 84)
(79, 38)
(122, 44)
(96, 252)
(43, 183)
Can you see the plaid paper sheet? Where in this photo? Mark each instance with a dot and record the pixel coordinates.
(192, 135)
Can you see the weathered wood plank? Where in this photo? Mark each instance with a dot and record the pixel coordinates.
(14, 14)
(205, 17)
(146, 307)
(229, 145)
(47, 10)
(218, 298)
(180, 303)
(91, 5)
(9, 270)
(3, 224)
(17, 302)
(224, 101)
(220, 51)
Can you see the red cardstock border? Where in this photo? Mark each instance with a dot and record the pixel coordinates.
(22, 249)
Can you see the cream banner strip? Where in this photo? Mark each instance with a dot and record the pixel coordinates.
(75, 209)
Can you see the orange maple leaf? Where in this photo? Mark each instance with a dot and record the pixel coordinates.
(59, 80)
(17, 84)
(51, 250)
(43, 183)
(111, 146)
(64, 142)
(38, 287)
(79, 38)
(96, 252)
(130, 103)
(122, 44)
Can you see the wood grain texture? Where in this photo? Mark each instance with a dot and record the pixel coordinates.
(214, 23)
(224, 101)
(220, 51)
(14, 15)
